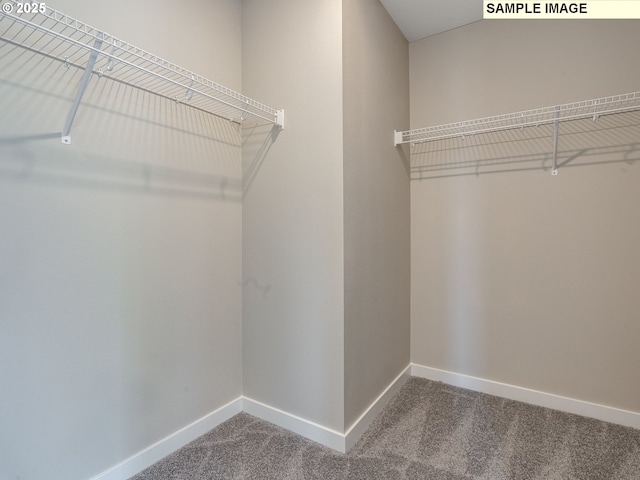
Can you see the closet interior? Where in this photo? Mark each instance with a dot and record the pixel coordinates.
(216, 266)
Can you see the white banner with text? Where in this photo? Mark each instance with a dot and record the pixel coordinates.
(586, 9)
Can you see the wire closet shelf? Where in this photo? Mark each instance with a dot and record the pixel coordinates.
(586, 109)
(39, 28)
(529, 118)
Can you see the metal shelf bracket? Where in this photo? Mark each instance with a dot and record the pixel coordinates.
(397, 138)
(556, 128)
(280, 119)
(66, 131)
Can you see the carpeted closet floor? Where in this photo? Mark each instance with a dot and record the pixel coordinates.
(428, 431)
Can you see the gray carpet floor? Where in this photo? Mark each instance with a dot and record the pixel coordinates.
(428, 431)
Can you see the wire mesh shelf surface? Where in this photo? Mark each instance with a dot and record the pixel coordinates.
(530, 118)
(56, 35)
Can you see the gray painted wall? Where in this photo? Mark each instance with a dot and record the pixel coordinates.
(376, 204)
(120, 256)
(521, 277)
(293, 251)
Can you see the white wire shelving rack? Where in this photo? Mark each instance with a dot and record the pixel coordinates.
(38, 28)
(587, 109)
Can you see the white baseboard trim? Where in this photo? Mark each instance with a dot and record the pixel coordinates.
(361, 424)
(333, 439)
(308, 429)
(569, 405)
(150, 455)
(341, 442)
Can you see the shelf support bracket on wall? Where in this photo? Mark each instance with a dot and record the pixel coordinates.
(397, 138)
(556, 128)
(280, 119)
(66, 131)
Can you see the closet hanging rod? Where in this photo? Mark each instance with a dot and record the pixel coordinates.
(529, 118)
(155, 74)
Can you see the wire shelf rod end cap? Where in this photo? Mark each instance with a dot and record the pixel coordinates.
(397, 138)
(280, 119)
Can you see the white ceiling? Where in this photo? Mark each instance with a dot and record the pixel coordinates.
(422, 18)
